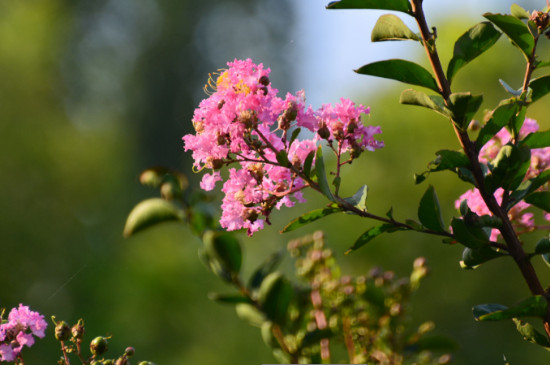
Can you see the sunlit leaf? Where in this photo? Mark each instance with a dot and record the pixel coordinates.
(429, 211)
(531, 334)
(370, 234)
(449, 160)
(310, 217)
(509, 168)
(470, 45)
(433, 102)
(516, 31)
(502, 115)
(535, 306)
(149, 213)
(472, 258)
(519, 12)
(359, 199)
(510, 89)
(527, 187)
(397, 5)
(400, 70)
(390, 27)
(538, 140)
(250, 313)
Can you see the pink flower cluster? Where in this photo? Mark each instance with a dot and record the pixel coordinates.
(18, 331)
(244, 122)
(540, 161)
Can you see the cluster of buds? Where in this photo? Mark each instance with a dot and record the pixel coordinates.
(18, 330)
(98, 346)
(522, 220)
(244, 123)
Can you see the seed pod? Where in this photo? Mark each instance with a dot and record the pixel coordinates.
(98, 346)
(62, 331)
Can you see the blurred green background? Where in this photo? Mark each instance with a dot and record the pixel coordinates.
(92, 93)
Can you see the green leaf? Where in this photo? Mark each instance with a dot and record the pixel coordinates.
(224, 249)
(531, 334)
(313, 337)
(510, 89)
(540, 199)
(266, 268)
(429, 211)
(267, 335)
(470, 45)
(310, 217)
(400, 70)
(472, 258)
(509, 168)
(321, 174)
(274, 297)
(229, 298)
(527, 187)
(449, 160)
(397, 5)
(502, 115)
(370, 234)
(543, 246)
(359, 199)
(433, 102)
(535, 306)
(469, 235)
(516, 31)
(463, 106)
(308, 163)
(149, 213)
(540, 87)
(541, 64)
(390, 27)
(294, 135)
(519, 12)
(537, 140)
(282, 158)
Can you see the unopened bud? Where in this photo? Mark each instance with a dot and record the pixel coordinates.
(323, 132)
(264, 80)
(121, 361)
(352, 126)
(130, 351)
(78, 330)
(98, 346)
(248, 118)
(250, 215)
(541, 19)
(62, 331)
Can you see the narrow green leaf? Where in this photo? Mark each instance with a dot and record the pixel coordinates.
(265, 268)
(400, 70)
(540, 199)
(541, 64)
(519, 12)
(510, 89)
(472, 258)
(149, 213)
(502, 115)
(359, 199)
(310, 217)
(464, 105)
(250, 313)
(540, 87)
(225, 249)
(531, 334)
(429, 211)
(470, 45)
(470, 236)
(397, 5)
(274, 297)
(433, 102)
(390, 27)
(321, 174)
(294, 135)
(308, 163)
(535, 306)
(370, 234)
(229, 298)
(538, 140)
(282, 158)
(516, 31)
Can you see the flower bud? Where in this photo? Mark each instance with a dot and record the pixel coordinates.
(108, 362)
(323, 131)
(62, 331)
(541, 19)
(130, 351)
(264, 80)
(121, 361)
(78, 330)
(98, 346)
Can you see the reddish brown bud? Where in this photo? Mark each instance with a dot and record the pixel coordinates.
(264, 80)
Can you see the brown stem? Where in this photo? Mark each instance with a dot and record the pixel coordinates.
(509, 235)
(348, 339)
(64, 350)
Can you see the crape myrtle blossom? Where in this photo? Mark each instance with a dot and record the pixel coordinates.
(245, 125)
(18, 331)
(540, 161)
